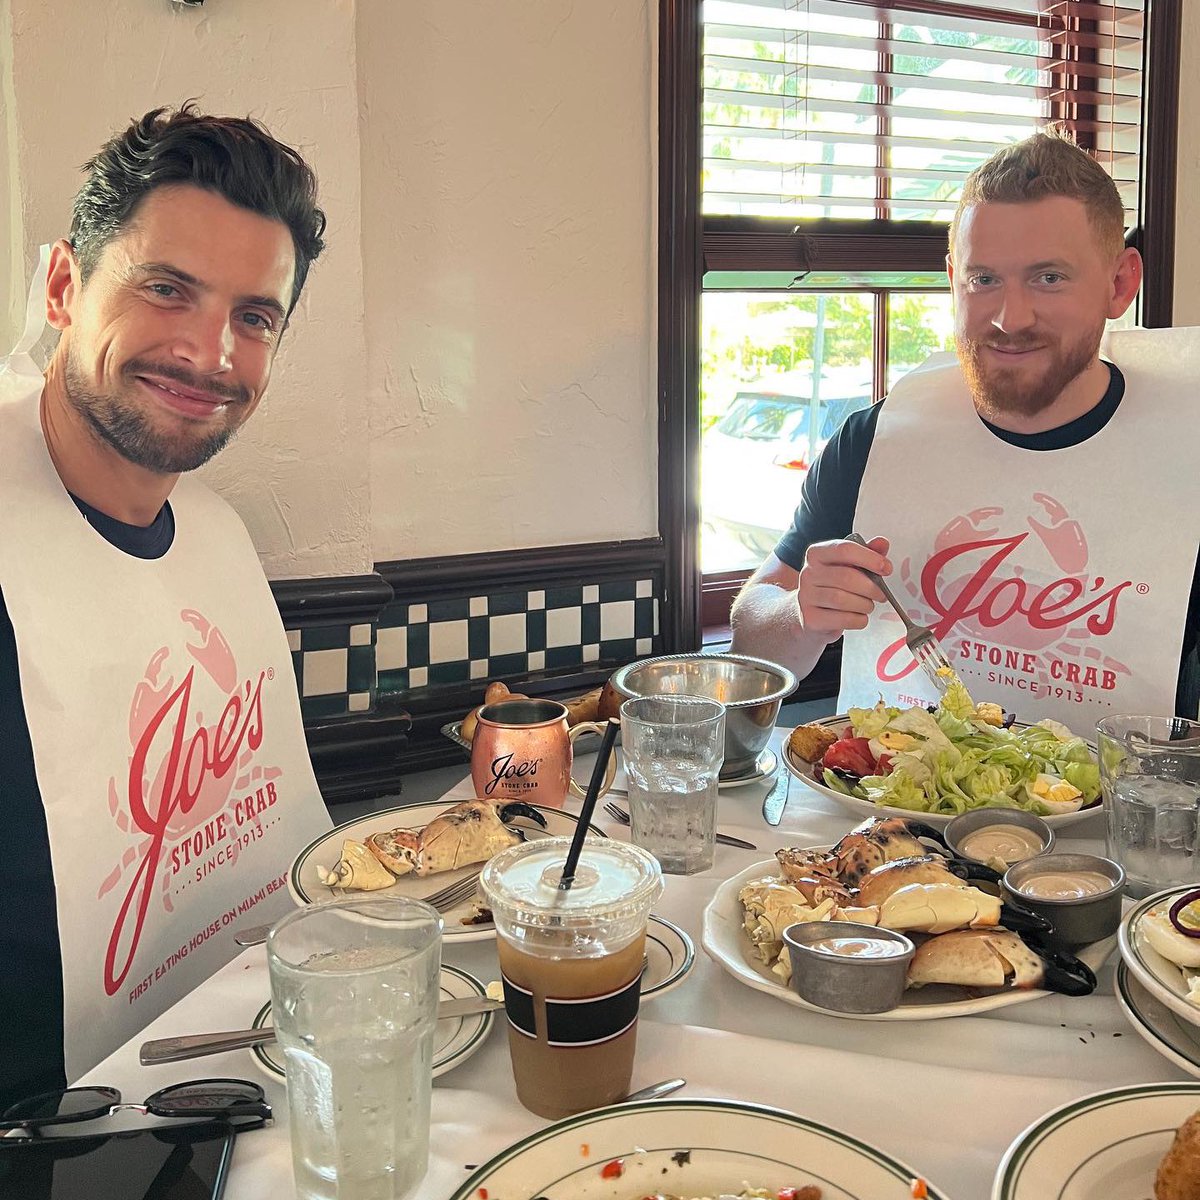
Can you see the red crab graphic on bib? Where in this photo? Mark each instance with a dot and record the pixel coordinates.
(1014, 590)
(195, 725)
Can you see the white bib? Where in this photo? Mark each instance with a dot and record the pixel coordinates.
(1057, 580)
(166, 734)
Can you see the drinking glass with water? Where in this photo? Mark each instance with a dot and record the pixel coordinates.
(1150, 774)
(673, 748)
(354, 995)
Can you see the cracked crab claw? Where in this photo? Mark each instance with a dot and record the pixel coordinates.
(999, 958)
(938, 908)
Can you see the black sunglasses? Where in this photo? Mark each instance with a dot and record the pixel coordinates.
(238, 1101)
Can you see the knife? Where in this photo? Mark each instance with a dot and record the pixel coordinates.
(196, 1045)
(777, 798)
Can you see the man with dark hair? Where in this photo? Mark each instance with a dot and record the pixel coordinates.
(154, 775)
(1022, 490)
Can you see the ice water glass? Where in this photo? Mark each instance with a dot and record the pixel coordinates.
(1150, 775)
(354, 995)
(673, 748)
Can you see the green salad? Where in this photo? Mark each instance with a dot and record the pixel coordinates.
(959, 757)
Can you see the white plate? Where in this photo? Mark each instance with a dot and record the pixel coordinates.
(670, 955)
(454, 1040)
(1177, 1040)
(1106, 1146)
(725, 941)
(804, 772)
(306, 888)
(689, 1148)
(1158, 975)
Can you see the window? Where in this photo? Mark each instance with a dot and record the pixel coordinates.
(835, 136)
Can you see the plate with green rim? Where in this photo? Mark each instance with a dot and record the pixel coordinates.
(691, 1148)
(1177, 1040)
(306, 888)
(1106, 1146)
(454, 1040)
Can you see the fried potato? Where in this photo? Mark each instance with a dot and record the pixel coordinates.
(809, 742)
(1178, 1175)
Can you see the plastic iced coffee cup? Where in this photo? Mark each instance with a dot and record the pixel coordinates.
(571, 963)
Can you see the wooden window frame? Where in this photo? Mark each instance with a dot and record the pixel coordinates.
(688, 244)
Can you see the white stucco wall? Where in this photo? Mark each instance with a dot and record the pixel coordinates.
(496, 229)
(509, 264)
(80, 69)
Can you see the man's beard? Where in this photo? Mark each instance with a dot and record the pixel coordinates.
(130, 431)
(1000, 391)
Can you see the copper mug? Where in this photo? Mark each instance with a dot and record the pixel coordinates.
(523, 750)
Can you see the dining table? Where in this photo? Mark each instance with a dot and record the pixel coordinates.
(945, 1096)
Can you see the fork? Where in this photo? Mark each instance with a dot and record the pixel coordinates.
(919, 639)
(621, 816)
(453, 894)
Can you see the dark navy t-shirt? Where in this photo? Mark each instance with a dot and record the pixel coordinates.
(829, 497)
(31, 987)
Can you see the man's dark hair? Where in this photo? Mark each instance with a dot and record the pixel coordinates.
(238, 159)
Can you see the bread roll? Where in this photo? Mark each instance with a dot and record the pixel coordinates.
(583, 708)
(496, 692)
(467, 732)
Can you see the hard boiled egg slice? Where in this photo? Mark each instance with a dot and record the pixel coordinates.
(1157, 929)
(1056, 794)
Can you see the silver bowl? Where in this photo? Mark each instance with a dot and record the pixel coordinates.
(1076, 920)
(752, 689)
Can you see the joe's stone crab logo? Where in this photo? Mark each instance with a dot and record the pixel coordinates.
(194, 726)
(1012, 603)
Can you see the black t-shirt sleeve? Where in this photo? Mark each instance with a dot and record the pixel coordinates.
(829, 494)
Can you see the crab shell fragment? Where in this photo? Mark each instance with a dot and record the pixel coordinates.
(990, 958)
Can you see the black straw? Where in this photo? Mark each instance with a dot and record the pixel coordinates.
(589, 803)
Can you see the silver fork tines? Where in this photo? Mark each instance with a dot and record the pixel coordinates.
(622, 817)
(919, 639)
(454, 894)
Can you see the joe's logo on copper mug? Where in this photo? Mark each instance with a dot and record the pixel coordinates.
(523, 750)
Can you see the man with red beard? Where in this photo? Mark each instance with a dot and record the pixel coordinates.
(154, 777)
(1029, 499)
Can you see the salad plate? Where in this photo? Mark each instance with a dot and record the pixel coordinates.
(1106, 1146)
(1177, 1040)
(809, 774)
(691, 1148)
(725, 941)
(1165, 981)
(306, 887)
(454, 1040)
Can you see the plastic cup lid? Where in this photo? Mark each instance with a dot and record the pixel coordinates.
(613, 881)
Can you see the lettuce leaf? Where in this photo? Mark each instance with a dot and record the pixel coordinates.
(870, 722)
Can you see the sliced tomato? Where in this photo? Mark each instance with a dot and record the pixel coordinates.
(850, 754)
(883, 764)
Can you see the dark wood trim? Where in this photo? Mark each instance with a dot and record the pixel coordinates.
(719, 590)
(422, 579)
(680, 271)
(331, 600)
(1160, 126)
(359, 757)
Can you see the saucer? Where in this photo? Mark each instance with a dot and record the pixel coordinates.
(454, 1041)
(764, 767)
(670, 955)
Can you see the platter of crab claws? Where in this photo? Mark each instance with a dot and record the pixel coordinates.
(974, 951)
(418, 850)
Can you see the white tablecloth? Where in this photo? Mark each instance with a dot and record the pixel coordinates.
(947, 1096)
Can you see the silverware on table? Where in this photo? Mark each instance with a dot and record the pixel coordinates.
(621, 816)
(663, 1088)
(776, 799)
(444, 900)
(919, 639)
(196, 1045)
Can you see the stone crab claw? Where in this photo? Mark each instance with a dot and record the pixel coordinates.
(466, 833)
(879, 840)
(998, 958)
(921, 894)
